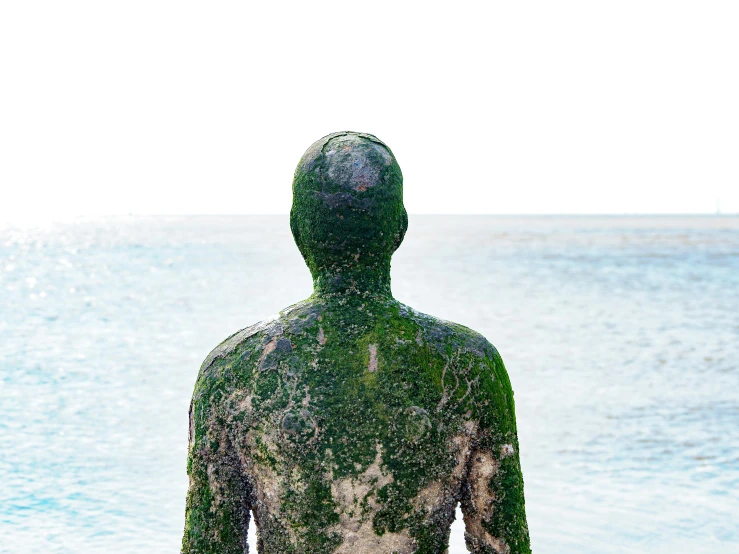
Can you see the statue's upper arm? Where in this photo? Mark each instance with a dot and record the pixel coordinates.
(219, 494)
(493, 501)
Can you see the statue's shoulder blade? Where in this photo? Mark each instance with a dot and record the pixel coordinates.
(239, 347)
(473, 365)
(449, 337)
(232, 344)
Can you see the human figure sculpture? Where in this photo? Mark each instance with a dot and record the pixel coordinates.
(351, 423)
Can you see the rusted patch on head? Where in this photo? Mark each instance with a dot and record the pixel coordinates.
(356, 162)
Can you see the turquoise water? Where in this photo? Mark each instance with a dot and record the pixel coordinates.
(620, 334)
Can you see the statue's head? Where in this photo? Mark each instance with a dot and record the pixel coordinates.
(347, 216)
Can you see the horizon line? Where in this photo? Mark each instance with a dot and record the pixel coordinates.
(48, 222)
(51, 218)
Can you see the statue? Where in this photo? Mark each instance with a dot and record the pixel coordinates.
(351, 423)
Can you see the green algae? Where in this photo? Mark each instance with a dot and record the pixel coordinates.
(351, 422)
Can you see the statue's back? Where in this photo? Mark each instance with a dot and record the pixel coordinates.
(352, 423)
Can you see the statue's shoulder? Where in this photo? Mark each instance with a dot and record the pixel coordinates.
(473, 377)
(253, 344)
(446, 336)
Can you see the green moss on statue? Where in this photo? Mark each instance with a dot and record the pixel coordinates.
(352, 423)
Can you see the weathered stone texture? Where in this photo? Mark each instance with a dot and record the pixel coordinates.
(352, 423)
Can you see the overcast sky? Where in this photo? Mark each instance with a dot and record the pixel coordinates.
(163, 107)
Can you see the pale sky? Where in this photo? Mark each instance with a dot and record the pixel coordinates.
(163, 107)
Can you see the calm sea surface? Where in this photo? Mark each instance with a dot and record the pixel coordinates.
(620, 334)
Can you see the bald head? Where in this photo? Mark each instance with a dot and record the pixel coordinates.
(347, 214)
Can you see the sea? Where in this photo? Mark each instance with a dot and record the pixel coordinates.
(620, 335)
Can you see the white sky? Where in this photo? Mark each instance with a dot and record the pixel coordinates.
(490, 107)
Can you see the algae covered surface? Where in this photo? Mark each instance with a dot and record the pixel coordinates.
(351, 422)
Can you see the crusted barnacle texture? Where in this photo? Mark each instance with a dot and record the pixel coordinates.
(351, 423)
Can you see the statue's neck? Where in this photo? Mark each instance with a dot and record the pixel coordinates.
(356, 279)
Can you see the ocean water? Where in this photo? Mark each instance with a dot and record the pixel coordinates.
(620, 334)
